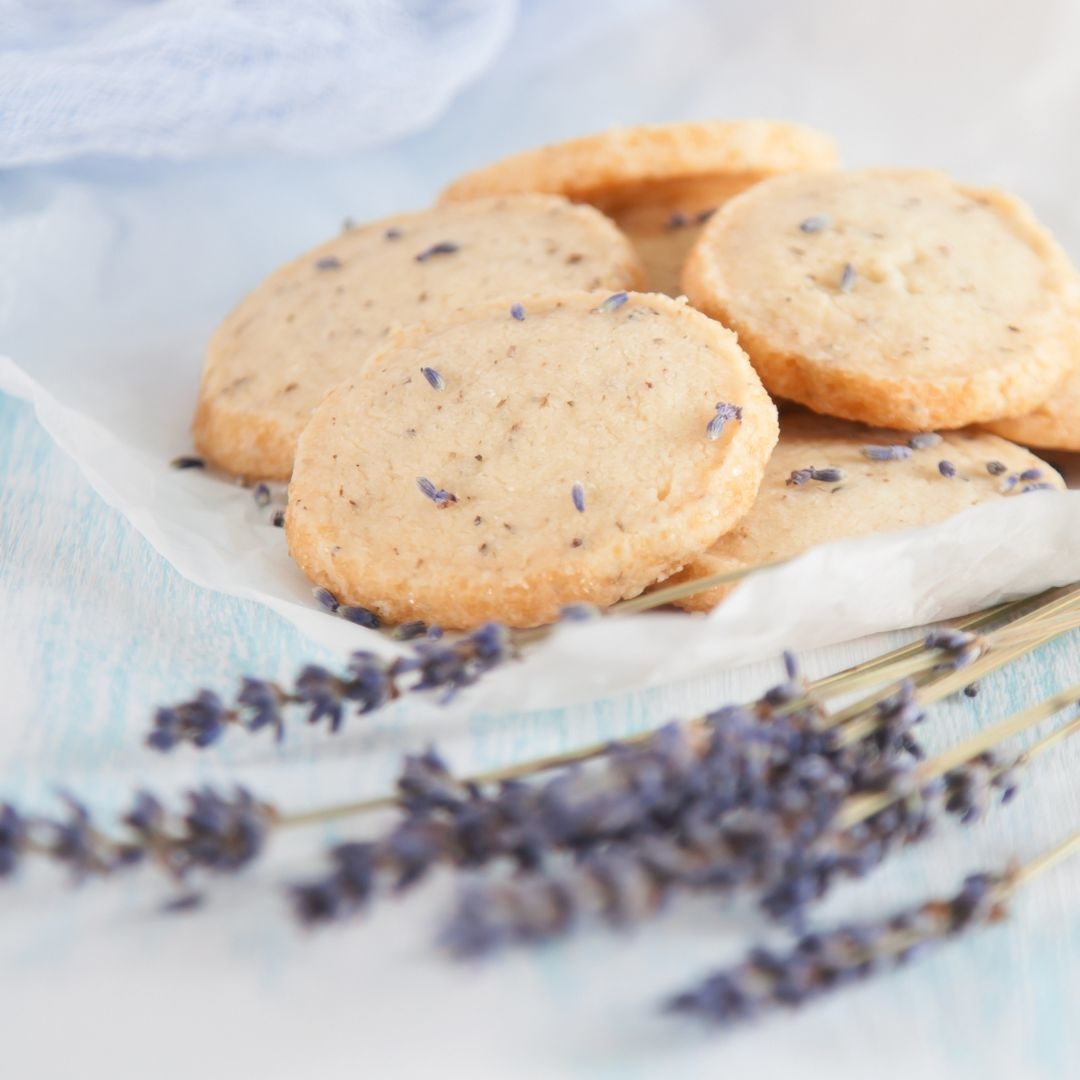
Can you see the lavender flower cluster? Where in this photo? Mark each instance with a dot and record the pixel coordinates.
(823, 962)
(747, 799)
(369, 683)
(216, 832)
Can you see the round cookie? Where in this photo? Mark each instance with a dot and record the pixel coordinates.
(579, 448)
(894, 297)
(310, 324)
(1054, 425)
(664, 218)
(657, 182)
(803, 503)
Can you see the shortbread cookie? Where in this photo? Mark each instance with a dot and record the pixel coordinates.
(1054, 425)
(578, 447)
(600, 165)
(664, 218)
(657, 182)
(894, 297)
(315, 321)
(830, 480)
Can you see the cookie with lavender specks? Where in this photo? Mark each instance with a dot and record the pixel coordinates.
(830, 480)
(890, 296)
(316, 320)
(1054, 425)
(657, 182)
(577, 448)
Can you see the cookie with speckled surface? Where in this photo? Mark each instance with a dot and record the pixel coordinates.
(656, 181)
(664, 218)
(315, 321)
(824, 483)
(1054, 425)
(579, 448)
(890, 296)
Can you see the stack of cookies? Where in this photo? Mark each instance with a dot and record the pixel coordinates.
(557, 385)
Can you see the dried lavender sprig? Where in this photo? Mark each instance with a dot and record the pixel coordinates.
(864, 807)
(369, 683)
(826, 961)
(787, 851)
(450, 821)
(217, 832)
(790, 863)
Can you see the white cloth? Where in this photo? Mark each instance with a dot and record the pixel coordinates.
(187, 78)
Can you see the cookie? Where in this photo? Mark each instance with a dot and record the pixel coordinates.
(664, 218)
(657, 182)
(894, 297)
(314, 322)
(1054, 425)
(578, 447)
(821, 485)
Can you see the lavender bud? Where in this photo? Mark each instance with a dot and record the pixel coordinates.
(815, 224)
(924, 440)
(886, 453)
(435, 380)
(613, 302)
(325, 597)
(444, 247)
(725, 412)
